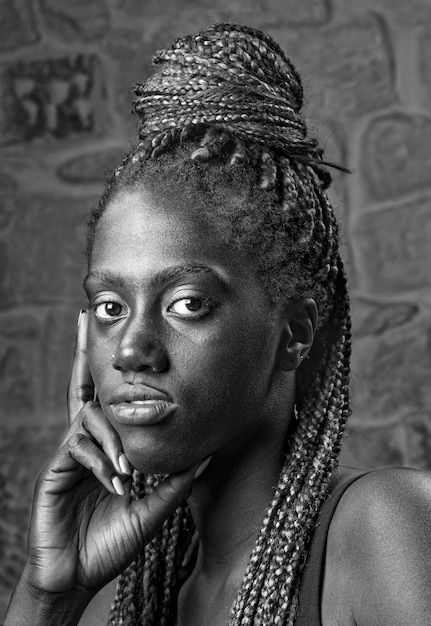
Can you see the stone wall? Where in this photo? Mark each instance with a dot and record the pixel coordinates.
(65, 71)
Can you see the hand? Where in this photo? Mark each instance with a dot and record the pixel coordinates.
(85, 529)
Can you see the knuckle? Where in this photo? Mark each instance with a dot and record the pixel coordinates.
(111, 437)
(79, 392)
(87, 413)
(88, 407)
(169, 495)
(39, 481)
(76, 440)
(98, 466)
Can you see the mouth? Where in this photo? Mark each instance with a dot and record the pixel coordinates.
(139, 405)
(142, 412)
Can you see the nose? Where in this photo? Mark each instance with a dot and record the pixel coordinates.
(139, 347)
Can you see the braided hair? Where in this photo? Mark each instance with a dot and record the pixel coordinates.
(221, 115)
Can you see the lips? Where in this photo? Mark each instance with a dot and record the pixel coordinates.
(139, 405)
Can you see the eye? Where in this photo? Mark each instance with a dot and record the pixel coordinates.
(192, 308)
(109, 310)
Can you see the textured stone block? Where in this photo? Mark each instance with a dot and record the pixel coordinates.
(187, 17)
(393, 249)
(9, 191)
(419, 441)
(81, 19)
(17, 25)
(44, 256)
(35, 361)
(48, 98)
(131, 61)
(24, 450)
(424, 57)
(56, 356)
(292, 12)
(396, 158)
(346, 66)
(91, 167)
(412, 13)
(391, 374)
(373, 318)
(16, 387)
(19, 365)
(369, 448)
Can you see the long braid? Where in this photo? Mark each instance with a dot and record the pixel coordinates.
(231, 94)
(128, 594)
(143, 594)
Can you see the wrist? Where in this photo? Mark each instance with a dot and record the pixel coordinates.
(30, 605)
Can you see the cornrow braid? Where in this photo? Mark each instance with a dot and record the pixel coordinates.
(224, 108)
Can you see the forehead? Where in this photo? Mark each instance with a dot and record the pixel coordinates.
(147, 233)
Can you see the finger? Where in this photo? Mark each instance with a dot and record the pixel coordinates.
(150, 512)
(81, 385)
(71, 463)
(95, 423)
(85, 452)
(92, 422)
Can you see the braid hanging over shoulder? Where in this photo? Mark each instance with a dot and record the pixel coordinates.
(230, 96)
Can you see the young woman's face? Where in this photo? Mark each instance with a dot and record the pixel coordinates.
(182, 337)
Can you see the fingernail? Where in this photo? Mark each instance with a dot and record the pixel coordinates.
(118, 486)
(124, 464)
(202, 467)
(80, 316)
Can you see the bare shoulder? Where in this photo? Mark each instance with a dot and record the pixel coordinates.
(380, 540)
(394, 489)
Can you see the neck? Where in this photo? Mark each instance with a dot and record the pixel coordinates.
(229, 501)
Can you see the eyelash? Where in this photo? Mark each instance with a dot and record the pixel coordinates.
(207, 303)
(109, 319)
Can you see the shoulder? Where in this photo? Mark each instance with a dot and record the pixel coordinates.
(384, 499)
(380, 536)
(398, 482)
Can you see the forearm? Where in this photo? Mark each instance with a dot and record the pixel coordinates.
(29, 605)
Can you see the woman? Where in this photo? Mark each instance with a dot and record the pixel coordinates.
(215, 353)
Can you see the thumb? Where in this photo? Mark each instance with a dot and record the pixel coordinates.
(150, 512)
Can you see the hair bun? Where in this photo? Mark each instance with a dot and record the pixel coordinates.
(230, 76)
(250, 57)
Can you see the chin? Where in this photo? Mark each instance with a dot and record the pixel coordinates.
(157, 461)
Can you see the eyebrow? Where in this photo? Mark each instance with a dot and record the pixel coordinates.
(167, 275)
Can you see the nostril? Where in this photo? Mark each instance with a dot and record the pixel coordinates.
(136, 359)
(161, 364)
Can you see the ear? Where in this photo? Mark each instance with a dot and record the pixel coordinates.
(299, 327)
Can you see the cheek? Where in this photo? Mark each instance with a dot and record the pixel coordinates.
(226, 371)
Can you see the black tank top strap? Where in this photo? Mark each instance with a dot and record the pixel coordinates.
(309, 613)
